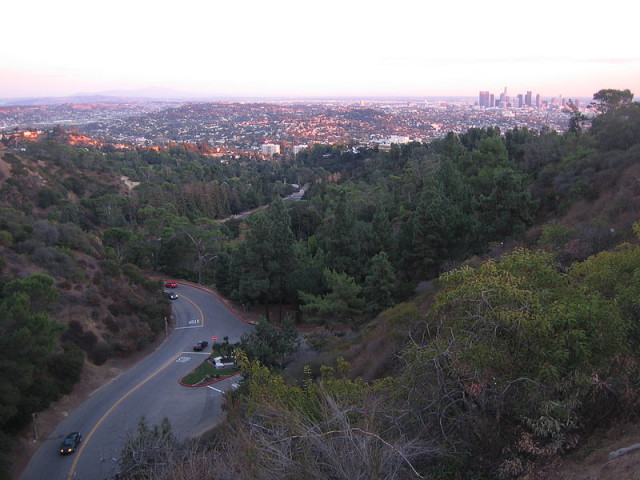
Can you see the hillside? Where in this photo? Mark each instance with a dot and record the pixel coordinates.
(475, 298)
(107, 313)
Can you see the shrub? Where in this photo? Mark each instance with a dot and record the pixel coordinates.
(151, 286)
(133, 273)
(56, 262)
(112, 324)
(6, 239)
(401, 314)
(28, 246)
(73, 237)
(66, 367)
(110, 268)
(47, 233)
(117, 309)
(46, 197)
(100, 353)
(75, 333)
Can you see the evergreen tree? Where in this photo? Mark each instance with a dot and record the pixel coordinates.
(27, 343)
(265, 260)
(343, 249)
(382, 238)
(379, 284)
(506, 208)
(270, 345)
(431, 230)
(339, 305)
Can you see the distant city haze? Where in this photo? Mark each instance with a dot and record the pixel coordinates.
(292, 49)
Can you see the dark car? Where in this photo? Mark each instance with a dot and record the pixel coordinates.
(170, 284)
(70, 443)
(171, 295)
(198, 347)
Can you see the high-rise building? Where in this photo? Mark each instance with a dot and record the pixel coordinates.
(483, 100)
(538, 101)
(520, 100)
(527, 99)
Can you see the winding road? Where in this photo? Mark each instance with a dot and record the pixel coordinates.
(151, 389)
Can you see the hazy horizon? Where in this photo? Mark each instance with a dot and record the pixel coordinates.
(284, 49)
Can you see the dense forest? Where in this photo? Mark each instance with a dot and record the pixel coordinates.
(478, 293)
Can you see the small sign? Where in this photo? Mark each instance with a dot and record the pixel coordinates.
(215, 339)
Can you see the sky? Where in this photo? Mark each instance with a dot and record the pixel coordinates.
(296, 48)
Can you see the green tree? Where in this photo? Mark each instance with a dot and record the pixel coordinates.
(342, 246)
(27, 341)
(379, 283)
(577, 119)
(383, 238)
(339, 305)
(39, 289)
(611, 98)
(265, 260)
(452, 148)
(503, 204)
(432, 228)
(118, 239)
(615, 275)
(516, 341)
(270, 345)
(618, 128)
(308, 274)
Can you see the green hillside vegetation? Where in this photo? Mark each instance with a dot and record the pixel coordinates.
(482, 289)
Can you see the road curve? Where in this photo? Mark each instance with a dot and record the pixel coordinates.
(150, 389)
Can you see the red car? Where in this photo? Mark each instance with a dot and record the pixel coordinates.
(170, 284)
(198, 347)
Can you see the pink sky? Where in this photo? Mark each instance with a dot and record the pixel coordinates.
(292, 48)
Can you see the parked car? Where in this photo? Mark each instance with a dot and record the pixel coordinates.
(170, 284)
(171, 295)
(198, 347)
(70, 443)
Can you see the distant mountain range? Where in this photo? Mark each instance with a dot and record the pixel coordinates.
(111, 96)
(167, 94)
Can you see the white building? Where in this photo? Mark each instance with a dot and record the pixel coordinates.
(298, 148)
(269, 149)
(397, 139)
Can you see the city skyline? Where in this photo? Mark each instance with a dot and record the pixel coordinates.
(283, 49)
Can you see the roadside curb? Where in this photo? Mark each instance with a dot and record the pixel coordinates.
(215, 294)
(220, 298)
(244, 320)
(211, 382)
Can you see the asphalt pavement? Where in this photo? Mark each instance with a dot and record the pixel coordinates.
(150, 389)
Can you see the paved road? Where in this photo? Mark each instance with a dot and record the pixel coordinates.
(150, 389)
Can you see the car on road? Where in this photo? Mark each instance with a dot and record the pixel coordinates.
(198, 347)
(170, 284)
(70, 443)
(171, 295)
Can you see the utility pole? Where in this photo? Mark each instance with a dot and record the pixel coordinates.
(34, 416)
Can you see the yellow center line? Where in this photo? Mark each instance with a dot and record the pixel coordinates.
(108, 412)
(123, 398)
(195, 305)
